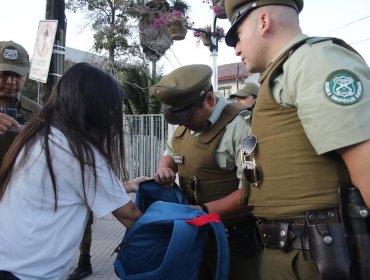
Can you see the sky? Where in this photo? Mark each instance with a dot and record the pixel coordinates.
(348, 20)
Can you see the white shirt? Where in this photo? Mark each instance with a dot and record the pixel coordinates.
(37, 242)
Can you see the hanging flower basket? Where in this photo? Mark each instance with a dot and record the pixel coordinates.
(219, 8)
(175, 22)
(205, 36)
(177, 30)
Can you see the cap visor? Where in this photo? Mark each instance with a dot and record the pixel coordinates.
(231, 39)
(20, 70)
(179, 116)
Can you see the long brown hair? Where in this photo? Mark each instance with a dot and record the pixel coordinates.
(86, 106)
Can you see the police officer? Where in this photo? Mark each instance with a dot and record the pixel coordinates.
(247, 95)
(15, 109)
(205, 150)
(311, 122)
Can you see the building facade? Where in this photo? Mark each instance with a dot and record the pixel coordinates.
(232, 77)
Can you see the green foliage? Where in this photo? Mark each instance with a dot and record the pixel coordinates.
(134, 81)
(30, 89)
(109, 22)
(114, 31)
(181, 6)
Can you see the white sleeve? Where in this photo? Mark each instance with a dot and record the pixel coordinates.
(109, 193)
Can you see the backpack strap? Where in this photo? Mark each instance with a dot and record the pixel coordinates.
(223, 253)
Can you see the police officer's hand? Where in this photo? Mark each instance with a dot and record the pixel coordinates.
(7, 123)
(165, 176)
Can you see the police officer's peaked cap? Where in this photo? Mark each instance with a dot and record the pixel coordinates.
(181, 90)
(237, 10)
(14, 58)
(249, 89)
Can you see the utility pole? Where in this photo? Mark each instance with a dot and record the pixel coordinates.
(55, 9)
(214, 37)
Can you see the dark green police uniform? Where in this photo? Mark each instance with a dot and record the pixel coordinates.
(26, 108)
(314, 99)
(14, 58)
(212, 156)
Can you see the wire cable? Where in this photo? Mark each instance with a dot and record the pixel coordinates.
(359, 42)
(343, 26)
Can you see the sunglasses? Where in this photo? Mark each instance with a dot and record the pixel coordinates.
(194, 186)
(252, 172)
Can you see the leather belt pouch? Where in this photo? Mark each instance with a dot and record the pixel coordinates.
(283, 236)
(328, 247)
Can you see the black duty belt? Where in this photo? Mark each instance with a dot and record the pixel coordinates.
(284, 236)
(231, 231)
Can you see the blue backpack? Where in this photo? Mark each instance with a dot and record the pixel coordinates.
(149, 191)
(167, 242)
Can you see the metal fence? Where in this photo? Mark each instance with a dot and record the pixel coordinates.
(145, 139)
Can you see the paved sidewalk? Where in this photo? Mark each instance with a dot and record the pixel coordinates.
(106, 236)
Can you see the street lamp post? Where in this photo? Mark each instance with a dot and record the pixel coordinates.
(213, 47)
(214, 37)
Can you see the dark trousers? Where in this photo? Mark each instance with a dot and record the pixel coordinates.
(242, 267)
(279, 265)
(85, 244)
(5, 275)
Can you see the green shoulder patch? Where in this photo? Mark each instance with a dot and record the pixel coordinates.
(343, 87)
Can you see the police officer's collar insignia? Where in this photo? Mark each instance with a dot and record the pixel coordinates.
(343, 87)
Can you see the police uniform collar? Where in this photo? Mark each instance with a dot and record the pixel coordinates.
(216, 113)
(292, 42)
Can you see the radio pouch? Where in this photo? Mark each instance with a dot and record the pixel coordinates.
(327, 242)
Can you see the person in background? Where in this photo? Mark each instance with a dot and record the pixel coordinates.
(84, 267)
(60, 168)
(15, 109)
(311, 122)
(247, 95)
(205, 151)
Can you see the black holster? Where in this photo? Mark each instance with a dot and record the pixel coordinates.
(356, 221)
(328, 246)
(247, 237)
